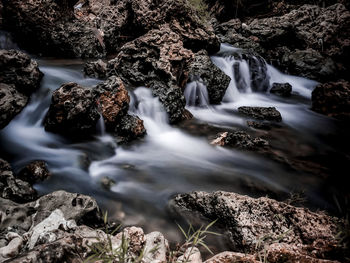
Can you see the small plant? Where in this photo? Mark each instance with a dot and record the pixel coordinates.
(201, 8)
(193, 238)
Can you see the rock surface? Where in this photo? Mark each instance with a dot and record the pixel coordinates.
(281, 89)
(247, 220)
(261, 113)
(96, 69)
(240, 140)
(14, 188)
(332, 99)
(203, 69)
(75, 111)
(34, 172)
(19, 78)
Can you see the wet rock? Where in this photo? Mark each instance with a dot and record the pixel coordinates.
(107, 182)
(11, 103)
(261, 113)
(72, 112)
(309, 63)
(20, 218)
(18, 69)
(332, 99)
(13, 188)
(246, 220)
(34, 172)
(96, 69)
(259, 125)
(158, 61)
(281, 89)
(129, 128)
(202, 68)
(240, 140)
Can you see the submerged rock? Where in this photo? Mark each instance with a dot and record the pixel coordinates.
(14, 188)
(332, 99)
(247, 220)
(261, 113)
(203, 69)
(240, 140)
(281, 89)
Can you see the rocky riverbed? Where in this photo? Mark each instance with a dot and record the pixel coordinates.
(160, 112)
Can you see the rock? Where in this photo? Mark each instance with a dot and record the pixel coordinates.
(247, 220)
(281, 89)
(107, 182)
(332, 99)
(239, 140)
(202, 68)
(18, 69)
(261, 113)
(11, 103)
(158, 61)
(191, 255)
(96, 69)
(22, 217)
(34, 172)
(13, 188)
(228, 257)
(130, 128)
(156, 248)
(13, 247)
(259, 125)
(98, 28)
(73, 111)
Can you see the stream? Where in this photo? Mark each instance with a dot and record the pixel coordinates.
(171, 159)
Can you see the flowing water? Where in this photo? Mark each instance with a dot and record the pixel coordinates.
(169, 159)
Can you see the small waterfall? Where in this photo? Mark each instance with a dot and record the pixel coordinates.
(196, 94)
(100, 126)
(248, 72)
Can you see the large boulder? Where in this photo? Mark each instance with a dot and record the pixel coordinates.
(261, 113)
(75, 111)
(157, 60)
(240, 140)
(332, 99)
(19, 78)
(248, 222)
(14, 188)
(204, 70)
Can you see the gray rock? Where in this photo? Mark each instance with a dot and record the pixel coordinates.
(240, 140)
(247, 220)
(11, 103)
(96, 69)
(214, 79)
(13, 188)
(261, 113)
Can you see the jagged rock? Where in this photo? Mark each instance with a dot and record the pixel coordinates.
(13, 188)
(18, 69)
(11, 103)
(261, 113)
(203, 69)
(97, 28)
(246, 220)
(72, 112)
(332, 99)
(155, 240)
(96, 69)
(130, 127)
(158, 61)
(34, 172)
(259, 125)
(281, 89)
(20, 218)
(240, 140)
(228, 257)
